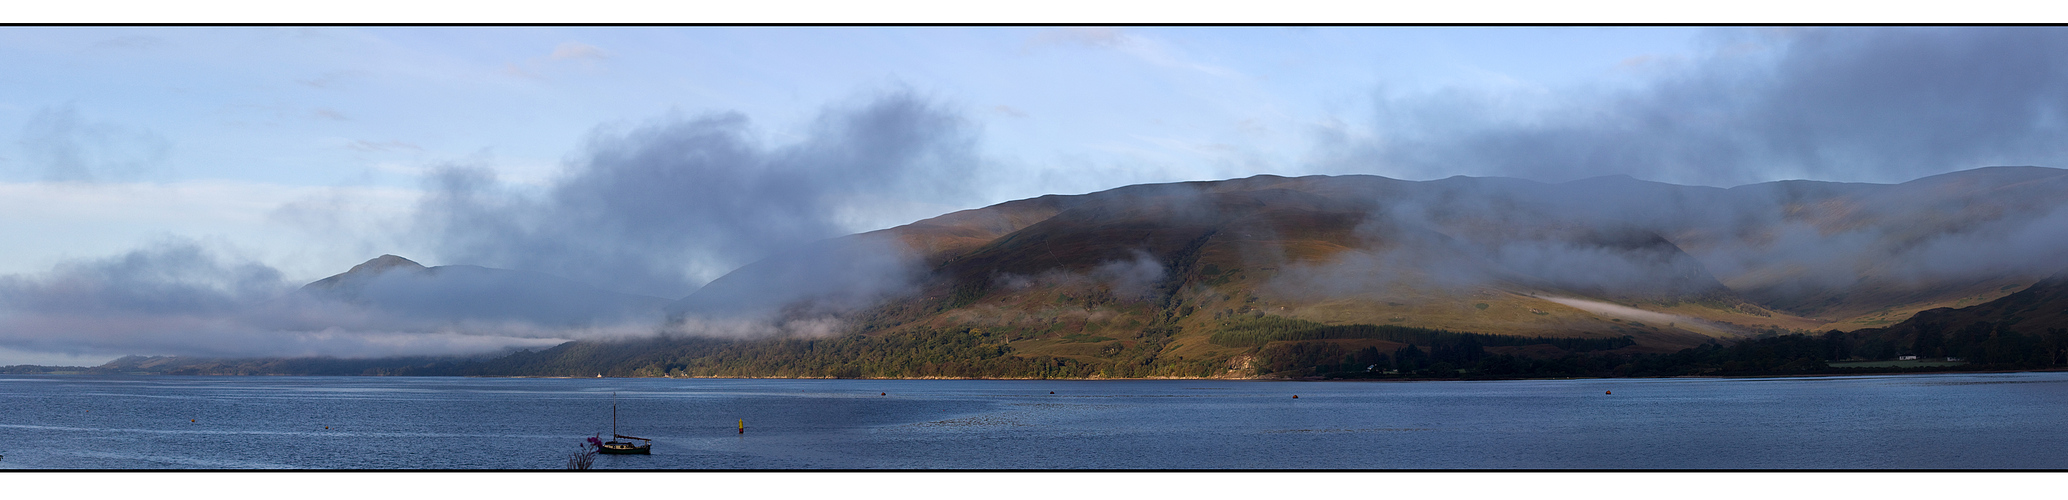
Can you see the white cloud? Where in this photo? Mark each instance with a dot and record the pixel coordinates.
(1143, 47)
(581, 54)
(578, 50)
(366, 146)
(70, 148)
(329, 114)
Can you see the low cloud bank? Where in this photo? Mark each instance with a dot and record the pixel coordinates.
(180, 298)
(802, 292)
(654, 209)
(1656, 319)
(660, 208)
(1771, 242)
(1134, 278)
(1860, 104)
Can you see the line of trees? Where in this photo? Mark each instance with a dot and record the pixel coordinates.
(1257, 331)
(1982, 345)
(1461, 355)
(918, 353)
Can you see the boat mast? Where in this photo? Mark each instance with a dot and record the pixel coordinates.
(613, 416)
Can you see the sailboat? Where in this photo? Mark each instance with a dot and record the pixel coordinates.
(616, 447)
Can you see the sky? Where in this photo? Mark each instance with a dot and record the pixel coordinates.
(124, 135)
(650, 160)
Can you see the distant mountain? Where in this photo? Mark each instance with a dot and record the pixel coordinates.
(403, 289)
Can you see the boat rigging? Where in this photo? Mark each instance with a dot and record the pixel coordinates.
(615, 446)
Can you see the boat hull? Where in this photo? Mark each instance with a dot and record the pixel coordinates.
(622, 448)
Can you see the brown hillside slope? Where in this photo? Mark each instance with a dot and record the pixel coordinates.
(1192, 256)
(1082, 275)
(2034, 310)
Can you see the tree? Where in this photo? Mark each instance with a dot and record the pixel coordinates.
(1408, 359)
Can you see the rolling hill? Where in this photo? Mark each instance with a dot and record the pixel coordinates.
(2037, 311)
(1670, 266)
(1275, 275)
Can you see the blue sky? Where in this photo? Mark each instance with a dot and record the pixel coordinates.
(201, 132)
(304, 151)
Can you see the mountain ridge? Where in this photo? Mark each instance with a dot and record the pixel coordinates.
(971, 245)
(1150, 280)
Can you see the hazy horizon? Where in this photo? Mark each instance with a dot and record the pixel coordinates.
(191, 172)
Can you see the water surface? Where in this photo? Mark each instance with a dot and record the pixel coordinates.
(1880, 422)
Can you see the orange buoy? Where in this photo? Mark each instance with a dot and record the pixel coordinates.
(190, 420)
(1296, 396)
(1051, 392)
(883, 394)
(1608, 392)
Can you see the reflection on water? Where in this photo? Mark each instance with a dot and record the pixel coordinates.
(1919, 421)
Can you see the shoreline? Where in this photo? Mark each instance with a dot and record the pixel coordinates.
(1230, 379)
